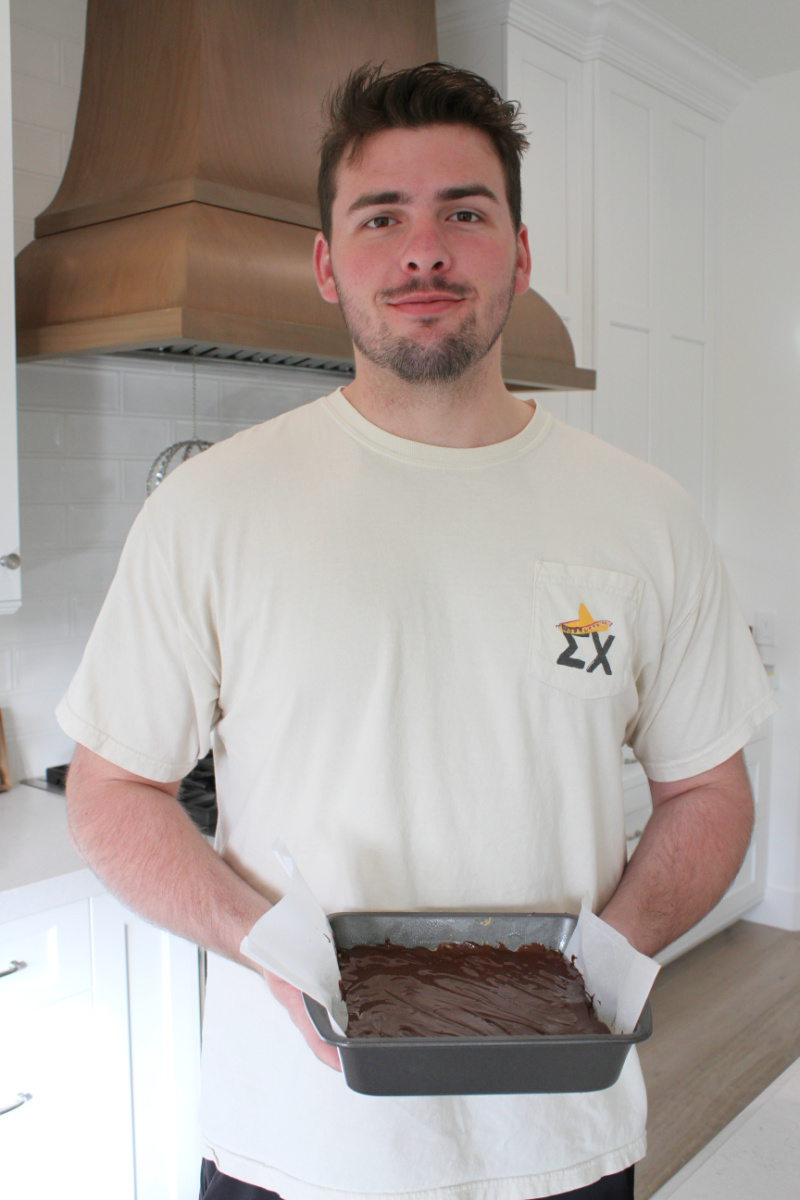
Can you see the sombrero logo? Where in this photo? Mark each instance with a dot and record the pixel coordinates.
(585, 626)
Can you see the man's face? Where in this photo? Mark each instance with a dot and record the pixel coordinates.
(423, 259)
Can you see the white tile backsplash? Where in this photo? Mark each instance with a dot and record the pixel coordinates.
(40, 432)
(43, 527)
(151, 392)
(71, 62)
(50, 105)
(37, 149)
(6, 672)
(100, 524)
(114, 437)
(89, 431)
(33, 193)
(62, 18)
(36, 53)
(42, 385)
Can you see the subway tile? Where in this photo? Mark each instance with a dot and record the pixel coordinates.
(49, 665)
(108, 436)
(40, 433)
(42, 385)
(42, 527)
(84, 610)
(71, 62)
(40, 103)
(31, 711)
(35, 52)
(75, 479)
(37, 149)
(23, 233)
(40, 619)
(255, 402)
(33, 193)
(169, 395)
(134, 479)
(208, 431)
(62, 18)
(6, 670)
(100, 524)
(36, 753)
(65, 140)
(76, 570)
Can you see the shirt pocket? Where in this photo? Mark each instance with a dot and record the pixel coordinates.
(583, 633)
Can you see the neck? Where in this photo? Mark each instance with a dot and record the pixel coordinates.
(475, 410)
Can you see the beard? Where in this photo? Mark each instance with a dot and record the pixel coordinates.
(415, 361)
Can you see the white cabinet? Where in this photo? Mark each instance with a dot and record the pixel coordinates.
(10, 592)
(49, 1061)
(99, 1067)
(652, 284)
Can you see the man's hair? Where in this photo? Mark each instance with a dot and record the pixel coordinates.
(434, 94)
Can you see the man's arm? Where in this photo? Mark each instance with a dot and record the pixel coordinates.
(144, 847)
(689, 853)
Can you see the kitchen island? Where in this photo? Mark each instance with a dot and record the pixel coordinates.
(102, 1071)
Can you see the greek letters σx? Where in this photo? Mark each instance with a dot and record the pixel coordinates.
(585, 627)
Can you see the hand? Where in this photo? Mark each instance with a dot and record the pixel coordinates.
(292, 1000)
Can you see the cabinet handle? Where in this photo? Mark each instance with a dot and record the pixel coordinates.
(16, 965)
(12, 561)
(22, 1098)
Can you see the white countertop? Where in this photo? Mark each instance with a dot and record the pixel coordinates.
(38, 867)
(757, 1154)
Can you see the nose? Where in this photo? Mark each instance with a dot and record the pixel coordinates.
(425, 250)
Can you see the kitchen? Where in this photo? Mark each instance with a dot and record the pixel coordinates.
(90, 428)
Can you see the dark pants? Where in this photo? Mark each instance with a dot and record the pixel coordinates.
(216, 1186)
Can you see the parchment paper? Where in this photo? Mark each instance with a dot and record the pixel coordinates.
(294, 940)
(617, 976)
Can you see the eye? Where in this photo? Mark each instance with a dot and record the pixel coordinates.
(465, 216)
(381, 222)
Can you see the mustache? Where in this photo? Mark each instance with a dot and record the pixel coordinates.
(419, 285)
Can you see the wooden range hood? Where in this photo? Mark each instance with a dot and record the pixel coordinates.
(186, 216)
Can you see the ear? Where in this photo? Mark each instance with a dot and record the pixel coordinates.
(323, 270)
(522, 278)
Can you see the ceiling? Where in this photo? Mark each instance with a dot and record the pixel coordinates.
(761, 37)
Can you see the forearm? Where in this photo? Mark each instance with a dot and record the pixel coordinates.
(148, 853)
(689, 853)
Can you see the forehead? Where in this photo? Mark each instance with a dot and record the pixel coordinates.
(422, 160)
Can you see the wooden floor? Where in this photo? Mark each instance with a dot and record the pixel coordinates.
(726, 1022)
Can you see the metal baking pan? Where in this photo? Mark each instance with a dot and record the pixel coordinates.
(463, 1066)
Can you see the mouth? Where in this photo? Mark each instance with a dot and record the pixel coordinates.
(425, 304)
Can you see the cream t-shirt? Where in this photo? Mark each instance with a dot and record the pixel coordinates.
(418, 665)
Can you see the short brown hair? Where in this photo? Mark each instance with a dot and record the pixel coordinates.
(433, 94)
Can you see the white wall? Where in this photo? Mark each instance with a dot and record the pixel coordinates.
(88, 428)
(758, 420)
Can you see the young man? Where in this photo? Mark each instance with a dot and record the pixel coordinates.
(418, 619)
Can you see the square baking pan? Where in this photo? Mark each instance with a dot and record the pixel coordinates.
(463, 1066)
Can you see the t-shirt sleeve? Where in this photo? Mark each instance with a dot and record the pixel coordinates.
(706, 695)
(145, 694)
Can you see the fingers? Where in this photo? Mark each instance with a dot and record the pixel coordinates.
(292, 1001)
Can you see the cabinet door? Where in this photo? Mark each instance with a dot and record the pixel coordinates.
(10, 592)
(148, 983)
(60, 1134)
(652, 283)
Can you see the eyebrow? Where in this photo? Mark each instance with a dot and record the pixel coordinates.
(376, 199)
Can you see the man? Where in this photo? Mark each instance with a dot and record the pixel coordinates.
(419, 618)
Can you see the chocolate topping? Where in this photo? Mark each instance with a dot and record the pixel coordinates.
(463, 990)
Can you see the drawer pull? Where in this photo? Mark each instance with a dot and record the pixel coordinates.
(637, 833)
(16, 965)
(22, 1098)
